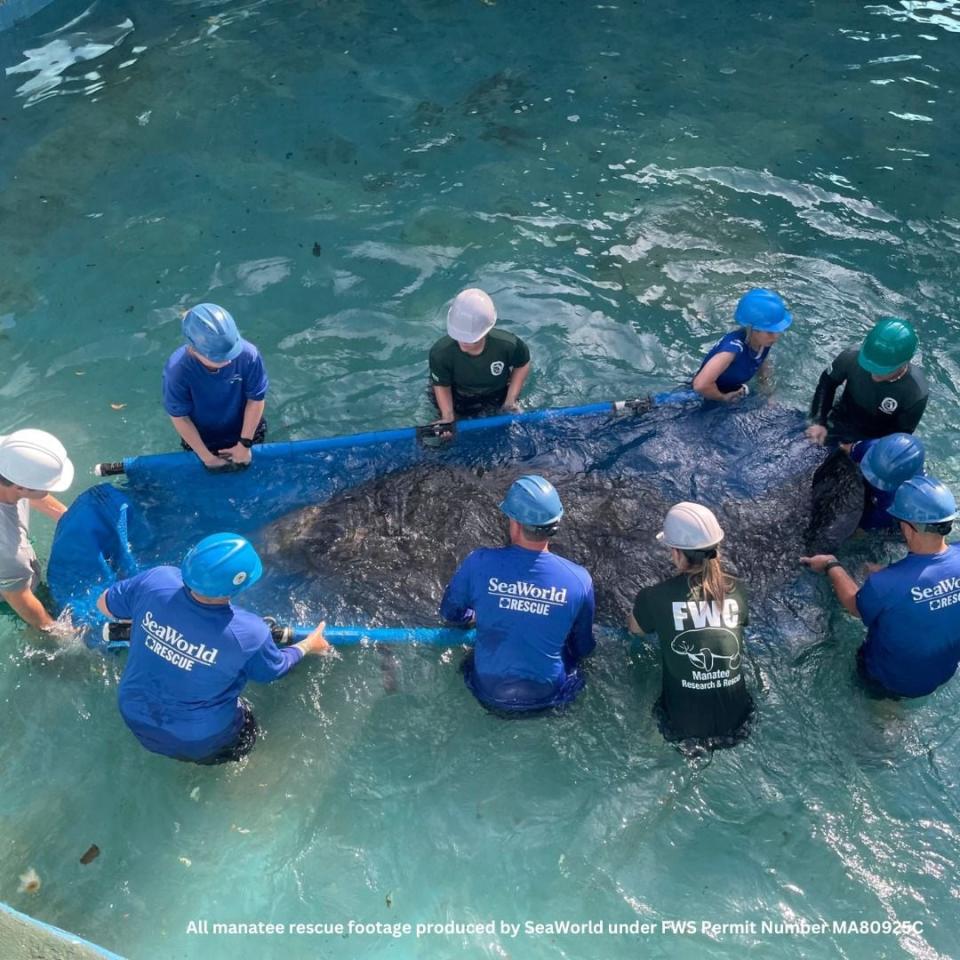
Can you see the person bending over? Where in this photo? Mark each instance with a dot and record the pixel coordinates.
(740, 355)
(476, 367)
(533, 609)
(214, 389)
(698, 616)
(911, 608)
(33, 466)
(883, 392)
(885, 464)
(192, 652)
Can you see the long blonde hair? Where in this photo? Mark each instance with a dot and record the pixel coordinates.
(706, 575)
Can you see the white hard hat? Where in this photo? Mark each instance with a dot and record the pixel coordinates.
(471, 316)
(689, 526)
(36, 460)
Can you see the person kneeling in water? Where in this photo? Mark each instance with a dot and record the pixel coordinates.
(192, 652)
(739, 355)
(699, 616)
(534, 610)
(911, 608)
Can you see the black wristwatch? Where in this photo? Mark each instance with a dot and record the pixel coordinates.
(244, 442)
(829, 566)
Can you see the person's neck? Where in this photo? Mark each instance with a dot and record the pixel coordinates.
(538, 546)
(209, 601)
(927, 544)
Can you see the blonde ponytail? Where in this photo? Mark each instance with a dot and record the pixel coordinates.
(707, 578)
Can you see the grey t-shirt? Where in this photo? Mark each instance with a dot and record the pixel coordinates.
(18, 563)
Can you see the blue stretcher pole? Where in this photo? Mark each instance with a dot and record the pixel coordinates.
(117, 636)
(269, 451)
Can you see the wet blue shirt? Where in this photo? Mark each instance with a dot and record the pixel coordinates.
(187, 664)
(214, 399)
(912, 613)
(744, 365)
(534, 613)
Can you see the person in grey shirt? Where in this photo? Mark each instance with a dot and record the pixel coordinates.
(33, 466)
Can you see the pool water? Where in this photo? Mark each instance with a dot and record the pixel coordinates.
(615, 175)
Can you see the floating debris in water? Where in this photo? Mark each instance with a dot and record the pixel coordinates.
(317, 250)
(93, 851)
(29, 882)
(233, 826)
(185, 861)
(117, 406)
(389, 900)
(195, 793)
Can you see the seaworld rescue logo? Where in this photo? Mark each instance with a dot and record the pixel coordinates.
(524, 597)
(171, 645)
(496, 368)
(889, 405)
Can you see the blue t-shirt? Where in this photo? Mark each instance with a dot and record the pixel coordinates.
(912, 613)
(745, 362)
(187, 664)
(214, 399)
(534, 613)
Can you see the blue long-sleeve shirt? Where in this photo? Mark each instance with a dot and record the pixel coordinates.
(534, 613)
(187, 664)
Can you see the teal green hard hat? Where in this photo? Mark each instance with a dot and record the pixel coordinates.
(888, 346)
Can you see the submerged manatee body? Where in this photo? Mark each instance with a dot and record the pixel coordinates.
(384, 550)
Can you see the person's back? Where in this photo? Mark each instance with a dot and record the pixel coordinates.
(187, 665)
(912, 613)
(698, 617)
(534, 610)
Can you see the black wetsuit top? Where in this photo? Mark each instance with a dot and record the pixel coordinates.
(701, 647)
(867, 408)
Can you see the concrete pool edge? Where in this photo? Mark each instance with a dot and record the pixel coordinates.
(24, 936)
(13, 12)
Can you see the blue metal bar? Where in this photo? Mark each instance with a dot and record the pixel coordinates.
(270, 451)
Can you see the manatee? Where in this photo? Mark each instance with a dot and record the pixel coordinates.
(383, 551)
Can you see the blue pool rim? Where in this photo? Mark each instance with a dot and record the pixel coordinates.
(63, 936)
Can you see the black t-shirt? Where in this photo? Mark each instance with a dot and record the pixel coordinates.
(868, 409)
(482, 376)
(701, 646)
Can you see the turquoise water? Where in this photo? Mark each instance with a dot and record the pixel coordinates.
(615, 175)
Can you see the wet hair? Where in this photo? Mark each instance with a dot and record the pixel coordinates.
(709, 581)
(4, 482)
(942, 529)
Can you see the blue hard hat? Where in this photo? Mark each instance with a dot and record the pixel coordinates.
(763, 310)
(211, 330)
(923, 500)
(892, 460)
(221, 565)
(533, 501)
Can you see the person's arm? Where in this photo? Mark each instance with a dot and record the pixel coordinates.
(455, 605)
(191, 437)
(444, 397)
(844, 586)
(705, 382)
(906, 421)
(271, 662)
(252, 415)
(581, 641)
(822, 403)
(25, 603)
(639, 615)
(514, 386)
(50, 506)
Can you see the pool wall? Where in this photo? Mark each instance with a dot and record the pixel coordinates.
(22, 936)
(13, 11)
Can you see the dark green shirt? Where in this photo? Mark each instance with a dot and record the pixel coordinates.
(485, 375)
(701, 646)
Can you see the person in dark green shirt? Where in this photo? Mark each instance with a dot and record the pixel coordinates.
(698, 616)
(476, 367)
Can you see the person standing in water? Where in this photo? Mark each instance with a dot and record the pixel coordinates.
(215, 388)
(533, 609)
(744, 353)
(883, 392)
(475, 367)
(698, 615)
(911, 608)
(884, 465)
